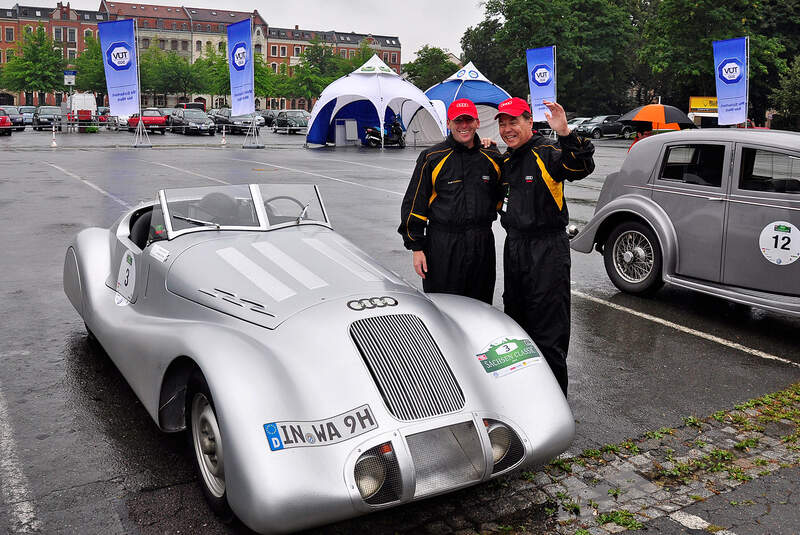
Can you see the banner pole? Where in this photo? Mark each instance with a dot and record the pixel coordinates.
(141, 131)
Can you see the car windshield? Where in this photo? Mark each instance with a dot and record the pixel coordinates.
(302, 114)
(50, 109)
(597, 119)
(195, 114)
(151, 113)
(27, 109)
(11, 109)
(577, 121)
(235, 207)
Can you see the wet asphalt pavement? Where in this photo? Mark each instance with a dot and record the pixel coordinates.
(78, 453)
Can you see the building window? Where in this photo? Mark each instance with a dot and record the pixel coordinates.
(183, 26)
(274, 67)
(283, 51)
(162, 44)
(145, 43)
(9, 35)
(9, 55)
(173, 44)
(343, 53)
(57, 33)
(257, 49)
(145, 24)
(208, 44)
(87, 33)
(99, 17)
(221, 46)
(198, 46)
(72, 35)
(174, 26)
(394, 57)
(273, 50)
(185, 45)
(352, 53)
(71, 53)
(297, 50)
(386, 57)
(29, 29)
(208, 28)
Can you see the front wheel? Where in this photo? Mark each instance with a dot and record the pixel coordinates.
(632, 256)
(373, 143)
(206, 445)
(402, 142)
(627, 133)
(596, 134)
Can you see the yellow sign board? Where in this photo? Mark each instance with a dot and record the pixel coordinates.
(702, 104)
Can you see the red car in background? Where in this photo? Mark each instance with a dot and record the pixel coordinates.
(5, 125)
(152, 118)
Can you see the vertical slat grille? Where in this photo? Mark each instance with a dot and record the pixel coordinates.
(407, 365)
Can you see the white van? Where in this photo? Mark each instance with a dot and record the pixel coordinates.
(82, 101)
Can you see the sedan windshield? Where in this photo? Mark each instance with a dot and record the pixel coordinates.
(11, 110)
(27, 109)
(151, 113)
(301, 114)
(50, 110)
(597, 119)
(195, 115)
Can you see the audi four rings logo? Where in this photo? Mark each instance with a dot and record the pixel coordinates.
(371, 302)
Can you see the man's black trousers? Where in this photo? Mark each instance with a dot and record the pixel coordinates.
(460, 261)
(537, 293)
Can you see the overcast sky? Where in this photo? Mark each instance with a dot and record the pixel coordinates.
(416, 22)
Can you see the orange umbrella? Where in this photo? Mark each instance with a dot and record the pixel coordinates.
(657, 117)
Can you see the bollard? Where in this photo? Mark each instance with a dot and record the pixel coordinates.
(53, 142)
(222, 141)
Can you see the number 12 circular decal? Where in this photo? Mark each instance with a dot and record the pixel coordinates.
(780, 243)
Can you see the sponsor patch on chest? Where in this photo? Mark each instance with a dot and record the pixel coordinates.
(528, 179)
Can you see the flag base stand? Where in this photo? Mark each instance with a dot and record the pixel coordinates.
(141, 140)
(251, 140)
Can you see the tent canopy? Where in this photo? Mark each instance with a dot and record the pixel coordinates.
(373, 95)
(469, 82)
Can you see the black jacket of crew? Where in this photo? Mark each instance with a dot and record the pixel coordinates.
(447, 212)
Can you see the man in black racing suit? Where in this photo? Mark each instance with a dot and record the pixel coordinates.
(536, 261)
(449, 207)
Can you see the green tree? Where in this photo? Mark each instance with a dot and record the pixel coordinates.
(150, 72)
(482, 48)
(431, 67)
(36, 65)
(212, 74)
(178, 74)
(329, 65)
(91, 73)
(786, 97)
(678, 48)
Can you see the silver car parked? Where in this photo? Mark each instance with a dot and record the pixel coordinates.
(314, 384)
(713, 210)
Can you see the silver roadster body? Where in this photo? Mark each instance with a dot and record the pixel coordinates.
(316, 385)
(712, 210)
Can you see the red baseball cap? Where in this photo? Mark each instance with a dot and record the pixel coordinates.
(513, 106)
(462, 106)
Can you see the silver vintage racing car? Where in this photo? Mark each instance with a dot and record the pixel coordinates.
(315, 385)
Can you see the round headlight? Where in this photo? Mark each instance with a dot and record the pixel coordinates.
(370, 474)
(500, 438)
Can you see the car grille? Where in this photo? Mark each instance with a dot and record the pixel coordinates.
(407, 366)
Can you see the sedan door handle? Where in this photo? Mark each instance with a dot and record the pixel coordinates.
(715, 198)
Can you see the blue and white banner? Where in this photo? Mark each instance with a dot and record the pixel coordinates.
(118, 45)
(731, 58)
(240, 64)
(541, 78)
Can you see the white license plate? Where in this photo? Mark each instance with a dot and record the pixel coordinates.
(289, 434)
(204, 127)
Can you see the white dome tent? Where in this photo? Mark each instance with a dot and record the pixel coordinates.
(469, 82)
(372, 95)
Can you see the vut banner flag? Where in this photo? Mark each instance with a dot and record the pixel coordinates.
(119, 60)
(541, 79)
(731, 58)
(240, 65)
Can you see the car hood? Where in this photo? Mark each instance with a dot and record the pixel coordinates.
(266, 277)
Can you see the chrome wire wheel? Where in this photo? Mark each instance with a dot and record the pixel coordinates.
(633, 256)
(208, 445)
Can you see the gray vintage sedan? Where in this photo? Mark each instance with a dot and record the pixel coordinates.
(314, 384)
(713, 210)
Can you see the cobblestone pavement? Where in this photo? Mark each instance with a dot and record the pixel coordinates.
(718, 474)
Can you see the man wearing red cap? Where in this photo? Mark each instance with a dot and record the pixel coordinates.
(536, 261)
(449, 207)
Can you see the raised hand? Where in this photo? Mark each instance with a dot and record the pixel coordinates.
(557, 118)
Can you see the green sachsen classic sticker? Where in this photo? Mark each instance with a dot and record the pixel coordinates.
(783, 228)
(507, 355)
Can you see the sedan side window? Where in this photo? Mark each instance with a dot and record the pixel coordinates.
(694, 164)
(764, 170)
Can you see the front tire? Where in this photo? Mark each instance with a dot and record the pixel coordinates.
(633, 259)
(627, 133)
(205, 443)
(596, 134)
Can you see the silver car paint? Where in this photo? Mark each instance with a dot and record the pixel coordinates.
(303, 366)
(734, 271)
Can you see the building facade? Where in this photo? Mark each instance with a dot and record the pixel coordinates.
(187, 31)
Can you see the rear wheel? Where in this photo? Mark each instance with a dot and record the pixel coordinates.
(205, 442)
(632, 257)
(402, 142)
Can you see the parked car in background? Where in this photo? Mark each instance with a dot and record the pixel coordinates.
(103, 113)
(46, 116)
(6, 127)
(269, 116)
(604, 125)
(191, 106)
(191, 121)
(235, 124)
(17, 120)
(712, 210)
(314, 385)
(152, 119)
(27, 113)
(291, 121)
(575, 121)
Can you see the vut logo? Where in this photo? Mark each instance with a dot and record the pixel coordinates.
(119, 56)
(730, 70)
(239, 56)
(541, 75)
